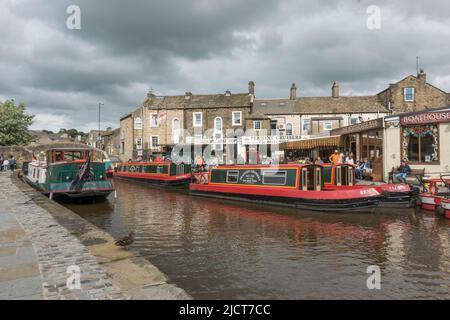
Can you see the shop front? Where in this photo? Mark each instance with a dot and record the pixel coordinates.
(421, 138)
(366, 141)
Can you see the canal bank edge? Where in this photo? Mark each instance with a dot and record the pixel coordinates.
(133, 275)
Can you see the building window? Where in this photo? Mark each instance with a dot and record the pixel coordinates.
(218, 124)
(237, 118)
(273, 127)
(353, 121)
(197, 119)
(138, 143)
(289, 129)
(408, 94)
(138, 123)
(420, 144)
(175, 130)
(306, 127)
(154, 142)
(257, 125)
(327, 125)
(154, 120)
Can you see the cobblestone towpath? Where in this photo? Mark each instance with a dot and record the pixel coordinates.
(42, 243)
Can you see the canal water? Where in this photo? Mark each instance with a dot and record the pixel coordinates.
(230, 250)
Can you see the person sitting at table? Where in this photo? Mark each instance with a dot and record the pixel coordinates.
(403, 172)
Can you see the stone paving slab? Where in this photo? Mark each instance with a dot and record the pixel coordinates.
(60, 239)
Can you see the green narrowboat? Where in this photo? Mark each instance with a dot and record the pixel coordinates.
(68, 172)
(294, 185)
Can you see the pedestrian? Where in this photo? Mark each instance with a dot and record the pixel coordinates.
(318, 160)
(5, 164)
(1, 161)
(12, 163)
(349, 159)
(334, 158)
(403, 171)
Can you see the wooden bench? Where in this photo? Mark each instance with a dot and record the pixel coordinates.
(416, 174)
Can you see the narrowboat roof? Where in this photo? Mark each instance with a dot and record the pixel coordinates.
(71, 149)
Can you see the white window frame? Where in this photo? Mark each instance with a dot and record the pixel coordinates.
(137, 125)
(286, 129)
(325, 123)
(233, 118)
(139, 145)
(413, 94)
(151, 120)
(176, 132)
(303, 125)
(353, 118)
(151, 142)
(201, 119)
(254, 125)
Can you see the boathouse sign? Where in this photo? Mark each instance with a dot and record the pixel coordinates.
(363, 126)
(427, 117)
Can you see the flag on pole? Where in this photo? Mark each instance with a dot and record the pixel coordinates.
(162, 116)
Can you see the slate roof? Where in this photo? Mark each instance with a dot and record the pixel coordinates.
(201, 101)
(320, 105)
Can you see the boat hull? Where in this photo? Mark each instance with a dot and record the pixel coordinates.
(394, 196)
(94, 189)
(310, 200)
(170, 181)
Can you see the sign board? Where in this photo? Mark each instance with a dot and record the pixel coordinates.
(363, 126)
(426, 117)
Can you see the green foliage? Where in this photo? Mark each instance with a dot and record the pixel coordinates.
(14, 123)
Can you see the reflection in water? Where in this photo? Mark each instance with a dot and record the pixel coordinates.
(224, 250)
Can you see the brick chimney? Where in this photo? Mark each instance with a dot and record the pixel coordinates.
(251, 87)
(422, 76)
(187, 95)
(335, 89)
(293, 94)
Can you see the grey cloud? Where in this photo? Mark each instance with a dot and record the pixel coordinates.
(126, 47)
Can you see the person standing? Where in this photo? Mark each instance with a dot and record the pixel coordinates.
(318, 160)
(12, 163)
(349, 159)
(334, 158)
(5, 164)
(1, 161)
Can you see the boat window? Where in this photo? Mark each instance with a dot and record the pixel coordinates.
(232, 176)
(274, 177)
(58, 156)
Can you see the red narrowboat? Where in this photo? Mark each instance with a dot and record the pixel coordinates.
(294, 185)
(156, 173)
(342, 176)
(436, 195)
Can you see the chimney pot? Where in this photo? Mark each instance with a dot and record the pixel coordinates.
(251, 87)
(422, 76)
(335, 89)
(228, 93)
(293, 94)
(188, 95)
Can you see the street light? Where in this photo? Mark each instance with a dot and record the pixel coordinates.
(99, 105)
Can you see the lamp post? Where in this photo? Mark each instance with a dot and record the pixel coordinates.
(99, 138)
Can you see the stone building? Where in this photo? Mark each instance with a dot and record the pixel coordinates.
(111, 142)
(162, 122)
(413, 93)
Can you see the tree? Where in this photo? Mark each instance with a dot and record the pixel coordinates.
(14, 123)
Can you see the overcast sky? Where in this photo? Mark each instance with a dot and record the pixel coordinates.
(125, 48)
